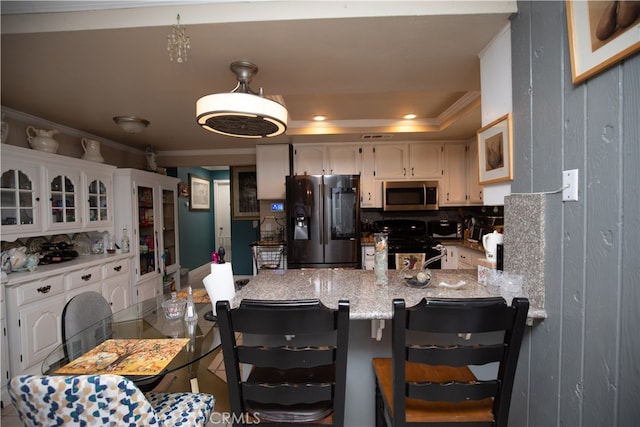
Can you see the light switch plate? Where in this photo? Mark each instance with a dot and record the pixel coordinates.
(570, 185)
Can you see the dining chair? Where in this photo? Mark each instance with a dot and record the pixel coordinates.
(57, 400)
(294, 361)
(88, 309)
(436, 347)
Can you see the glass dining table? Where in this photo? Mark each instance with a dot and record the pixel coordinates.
(141, 330)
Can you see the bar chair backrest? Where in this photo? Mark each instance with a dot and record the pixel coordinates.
(294, 359)
(434, 344)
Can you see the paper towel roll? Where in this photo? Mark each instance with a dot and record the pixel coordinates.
(219, 284)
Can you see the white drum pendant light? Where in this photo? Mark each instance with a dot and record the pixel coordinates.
(242, 112)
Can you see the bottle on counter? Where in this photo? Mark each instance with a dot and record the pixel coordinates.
(125, 244)
(190, 313)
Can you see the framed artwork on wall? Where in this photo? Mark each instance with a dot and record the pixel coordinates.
(601, 33)
(244, 193)
(199, 193)
(495, 151)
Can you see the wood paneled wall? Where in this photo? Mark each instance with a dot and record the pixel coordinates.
(580, 366)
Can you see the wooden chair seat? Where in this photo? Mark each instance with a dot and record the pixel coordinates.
(421, 411)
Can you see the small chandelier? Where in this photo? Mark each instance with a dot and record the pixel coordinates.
(178, 42)
(242, 112)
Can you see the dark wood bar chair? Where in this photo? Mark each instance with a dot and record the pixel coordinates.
(428, 380)
(293, 356)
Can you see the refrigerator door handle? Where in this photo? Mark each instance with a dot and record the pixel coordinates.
(321, 200)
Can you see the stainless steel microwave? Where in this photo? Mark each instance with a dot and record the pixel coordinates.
(410, 195)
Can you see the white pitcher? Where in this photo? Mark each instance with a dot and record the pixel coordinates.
(91, 150)
(490, 243)
(42, 140)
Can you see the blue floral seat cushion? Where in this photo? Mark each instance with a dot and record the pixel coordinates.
(86, 400)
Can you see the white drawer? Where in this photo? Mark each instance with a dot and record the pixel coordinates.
(40, 289)
(116, 267)
(79, 278)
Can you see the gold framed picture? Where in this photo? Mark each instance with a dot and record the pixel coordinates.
(495, 151)
(244, 193)
(601, 33)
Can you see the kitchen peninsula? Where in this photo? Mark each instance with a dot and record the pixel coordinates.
(370, 309)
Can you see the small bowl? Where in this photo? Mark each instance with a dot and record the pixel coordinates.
(174, 308)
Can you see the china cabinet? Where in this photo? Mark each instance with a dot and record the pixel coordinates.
(272, 166)
(44, 194)
(147, 207)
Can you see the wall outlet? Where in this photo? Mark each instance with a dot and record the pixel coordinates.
(570, 185)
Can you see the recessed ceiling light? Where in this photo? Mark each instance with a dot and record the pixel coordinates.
(319, 118)
(409, 116)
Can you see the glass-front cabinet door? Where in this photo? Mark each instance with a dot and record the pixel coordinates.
(99, 201)
(20, 196)
(147, 260)
(63, 208)
(170, 255)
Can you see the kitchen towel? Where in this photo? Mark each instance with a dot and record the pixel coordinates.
(219, 284)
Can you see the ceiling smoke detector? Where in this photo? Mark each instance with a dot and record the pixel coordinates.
(242, 112)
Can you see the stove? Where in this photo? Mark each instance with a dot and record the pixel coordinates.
(408, 237)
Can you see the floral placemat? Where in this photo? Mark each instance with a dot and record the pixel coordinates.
(127, 357)
(200, 296)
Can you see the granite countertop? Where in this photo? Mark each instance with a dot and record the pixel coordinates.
(367, 300)
(368, 241)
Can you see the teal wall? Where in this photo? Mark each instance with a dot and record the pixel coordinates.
(197, 230)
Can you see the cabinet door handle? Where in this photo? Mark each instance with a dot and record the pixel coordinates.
(117, 268)
(412, 174)
(44, 289)
(86, 277)
(404, 171)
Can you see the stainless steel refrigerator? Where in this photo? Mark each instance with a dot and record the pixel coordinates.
(323, 214)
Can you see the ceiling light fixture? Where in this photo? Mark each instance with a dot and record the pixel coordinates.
(131, 124)
(409, 116)
(319, 118)
(178, 42)
(242, 112)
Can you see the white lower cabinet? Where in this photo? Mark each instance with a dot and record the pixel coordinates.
(468, 258)
(147, 289)
(450, 260)
(35, 302)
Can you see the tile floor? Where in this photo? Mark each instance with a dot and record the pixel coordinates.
(207, 380)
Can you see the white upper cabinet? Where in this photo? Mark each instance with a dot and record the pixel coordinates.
(326, 159)
(370, 187)
(453, 188)
(21, 197)
(391, 161)
(309, 159)
(343, 159)
(63, 189)
(474, 189)
(272, 166)
(425, 160)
